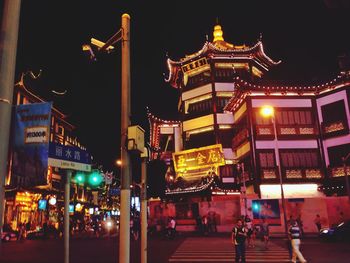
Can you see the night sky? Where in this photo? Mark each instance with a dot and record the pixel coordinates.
(308, 36)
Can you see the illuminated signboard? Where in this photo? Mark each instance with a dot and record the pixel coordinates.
(198, 158)
(194, 65)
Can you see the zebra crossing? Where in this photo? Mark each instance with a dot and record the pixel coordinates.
(216, 249)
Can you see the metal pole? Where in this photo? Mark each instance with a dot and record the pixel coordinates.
(66, 215)
(245, 190)
(8, 49)
(124, 237)
(143, 211)
(280, 174)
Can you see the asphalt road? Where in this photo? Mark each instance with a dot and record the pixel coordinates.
(160, 250)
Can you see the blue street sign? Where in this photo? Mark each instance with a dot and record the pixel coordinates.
(69, 157)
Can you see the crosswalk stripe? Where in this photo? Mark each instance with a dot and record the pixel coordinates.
(222, 250)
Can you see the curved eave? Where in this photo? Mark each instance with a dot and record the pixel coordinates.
(154, 118)
(174, 67)
(35, 97)
(245, 88)
(257, 49)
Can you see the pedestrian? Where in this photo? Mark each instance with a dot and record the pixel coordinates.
(21, 231)
(136, 227)
(171, 230)
(294, 235)
(265, 232)
(238, 237)
(317, 222)
(250, 231)
(290, 222)
(45, 228)
(300, 224)
(205, 224)
(199, 224)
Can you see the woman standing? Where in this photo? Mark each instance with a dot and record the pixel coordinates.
(265, 231)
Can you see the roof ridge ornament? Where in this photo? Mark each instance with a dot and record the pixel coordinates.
(218, 33)
(260, 36)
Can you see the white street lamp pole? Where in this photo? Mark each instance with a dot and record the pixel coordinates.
(278, 163)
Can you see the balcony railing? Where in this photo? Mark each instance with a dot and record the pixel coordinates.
(286, 131)
(292, 173)
(339, 171)
(333, 129)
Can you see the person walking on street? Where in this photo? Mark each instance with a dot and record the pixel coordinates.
(265, 229)
(300, 224)
(317, 222)
(250, 228)
(171, 231)
(239, 234)
(294, 235)
(205, 224)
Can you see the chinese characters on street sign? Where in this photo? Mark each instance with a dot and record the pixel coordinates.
(68, 157)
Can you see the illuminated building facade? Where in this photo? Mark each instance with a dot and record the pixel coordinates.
(41, 203)
(222, 90)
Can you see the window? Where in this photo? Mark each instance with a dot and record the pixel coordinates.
(336, 154)
(198, 79)
(226, 137)
(200, 107)
(221, 103)
(333, 112)
(294, 117)
(226, 171)
(308, 158)
(200, 140)
(224, 74)
(261, 120)
(267, 159)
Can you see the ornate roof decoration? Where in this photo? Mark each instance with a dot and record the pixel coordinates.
(36, 98)
(219, 48)
(244, 88)
(155, 124)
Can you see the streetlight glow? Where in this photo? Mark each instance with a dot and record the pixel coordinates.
(267, 111)
(119, 162)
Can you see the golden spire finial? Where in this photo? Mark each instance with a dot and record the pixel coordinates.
(218, 34)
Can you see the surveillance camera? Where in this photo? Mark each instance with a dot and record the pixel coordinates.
(87, 48)
(99, 44)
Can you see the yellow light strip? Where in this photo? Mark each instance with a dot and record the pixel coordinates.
(200, 130)
(224, 94)
(225, 126)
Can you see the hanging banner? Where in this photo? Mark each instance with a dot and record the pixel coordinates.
(31, 144)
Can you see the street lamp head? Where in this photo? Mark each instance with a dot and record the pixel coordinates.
(267, 111)
(118, 162)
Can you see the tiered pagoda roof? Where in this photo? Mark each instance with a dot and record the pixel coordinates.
(220, 49)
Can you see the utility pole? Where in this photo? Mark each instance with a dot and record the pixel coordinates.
(144, 206)
(122, 35)
(244, 190)
(66, 215)
(8, 50)
(124, 237)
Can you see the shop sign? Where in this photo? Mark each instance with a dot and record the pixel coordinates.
(198, 158)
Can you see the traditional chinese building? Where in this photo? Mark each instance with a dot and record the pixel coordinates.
(22, 203)
(222, 92)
